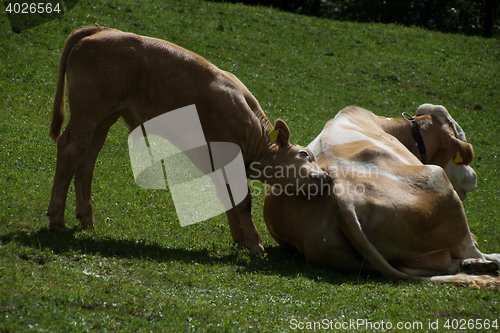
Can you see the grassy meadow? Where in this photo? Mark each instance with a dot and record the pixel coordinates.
(139, 271)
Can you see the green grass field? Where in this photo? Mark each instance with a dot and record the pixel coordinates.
(139, 270)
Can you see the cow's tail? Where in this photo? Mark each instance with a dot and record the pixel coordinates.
(466, 280)
(59, 109)
(348, 221)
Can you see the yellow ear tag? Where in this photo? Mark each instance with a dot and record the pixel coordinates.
(458, 159)
(273, 135)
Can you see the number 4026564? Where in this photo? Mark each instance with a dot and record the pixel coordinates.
(32, 8)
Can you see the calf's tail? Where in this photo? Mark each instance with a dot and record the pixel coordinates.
(59, 109)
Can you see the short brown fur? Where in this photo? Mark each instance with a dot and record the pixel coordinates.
(112, 74)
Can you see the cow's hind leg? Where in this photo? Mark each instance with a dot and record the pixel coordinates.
(426, 265)
(85, 170)
(71, 146)
(471, 261)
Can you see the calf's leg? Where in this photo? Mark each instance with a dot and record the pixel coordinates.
(242, 227)
(71, 146)
(235, 227)
(85, 171)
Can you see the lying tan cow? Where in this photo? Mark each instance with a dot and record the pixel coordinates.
(386, 212)
(112, 74)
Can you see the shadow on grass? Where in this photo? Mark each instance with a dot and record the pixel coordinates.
(277, 261)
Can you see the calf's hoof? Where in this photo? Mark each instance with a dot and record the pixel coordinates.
(257, 249)
(86, 223)
(57, 227)
(56, 221)
(254, 249)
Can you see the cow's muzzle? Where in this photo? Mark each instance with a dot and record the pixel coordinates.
(324, 177)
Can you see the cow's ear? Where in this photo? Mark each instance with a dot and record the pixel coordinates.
(283, 139)
(464, 152)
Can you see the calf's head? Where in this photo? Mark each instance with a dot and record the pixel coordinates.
(451, 150)
(290, 167)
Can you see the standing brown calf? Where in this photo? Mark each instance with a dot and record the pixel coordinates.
(112, 74)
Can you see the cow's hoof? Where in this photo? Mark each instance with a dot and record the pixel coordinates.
(479, 266)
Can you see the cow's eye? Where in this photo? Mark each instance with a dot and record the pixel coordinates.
(304, 154)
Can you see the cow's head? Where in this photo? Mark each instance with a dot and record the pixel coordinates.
(451, 150)
(290, 167)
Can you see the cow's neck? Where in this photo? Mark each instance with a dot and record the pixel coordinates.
(401, 129)
(258, 145)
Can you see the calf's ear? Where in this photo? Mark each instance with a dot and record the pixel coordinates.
(283, 139)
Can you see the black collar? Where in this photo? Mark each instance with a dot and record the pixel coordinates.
(418, 137)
